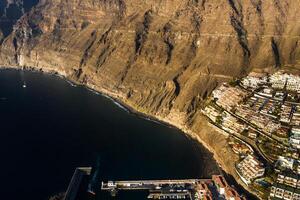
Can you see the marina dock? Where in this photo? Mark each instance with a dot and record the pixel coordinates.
(147, 184)
(158, 189)
(87, 183)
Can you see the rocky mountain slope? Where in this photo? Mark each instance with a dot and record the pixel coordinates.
(162, 57)
(162, 54)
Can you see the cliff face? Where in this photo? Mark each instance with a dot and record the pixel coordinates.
(162, 56)
(10, 12)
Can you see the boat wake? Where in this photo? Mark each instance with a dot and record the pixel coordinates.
(22, 76)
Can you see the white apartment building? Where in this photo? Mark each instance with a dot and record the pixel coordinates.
(295, 138)
(250, 168)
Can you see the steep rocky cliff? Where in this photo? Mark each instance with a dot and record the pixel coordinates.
(162, 57)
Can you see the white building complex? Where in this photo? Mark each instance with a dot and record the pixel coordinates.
(249, 169)
(295, 138)
(281, 191)
(253, 80)
(228, 97)
(281, 79)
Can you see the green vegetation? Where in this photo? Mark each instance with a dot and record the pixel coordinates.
(276, 111)
(234, 82)
(270, 149)
(271, 175)
(245, 132)
(219, 120)
(263, 190)
(214, 105)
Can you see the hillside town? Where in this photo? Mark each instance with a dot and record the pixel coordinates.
(260, 114)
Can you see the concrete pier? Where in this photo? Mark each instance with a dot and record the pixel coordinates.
(76, 180)
(158, 189)
(148, 184)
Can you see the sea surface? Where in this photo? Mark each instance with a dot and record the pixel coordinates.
(51, 127)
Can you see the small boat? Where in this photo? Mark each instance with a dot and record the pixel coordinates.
(24, 85)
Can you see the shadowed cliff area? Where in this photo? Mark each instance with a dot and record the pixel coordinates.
(162, 56)
(10, 12)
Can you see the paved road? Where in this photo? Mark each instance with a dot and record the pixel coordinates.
(250, 142)
(254, 127)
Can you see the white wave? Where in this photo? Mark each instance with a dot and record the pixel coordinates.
(71, 83)
(93, 91)
(153, 120)
(120, 105)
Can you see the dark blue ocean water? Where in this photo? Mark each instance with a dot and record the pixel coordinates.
(49, 128)
(11, 11)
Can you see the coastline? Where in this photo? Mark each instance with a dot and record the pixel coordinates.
(120, 100)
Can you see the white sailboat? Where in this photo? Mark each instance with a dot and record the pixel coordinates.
(23, 79)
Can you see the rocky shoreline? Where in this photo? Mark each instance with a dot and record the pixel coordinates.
(216, 143)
